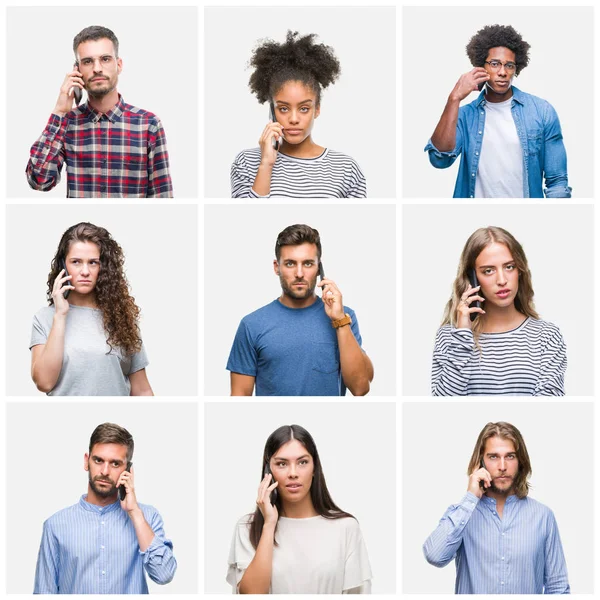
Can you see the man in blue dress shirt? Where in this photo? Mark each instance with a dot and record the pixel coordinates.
(503, 541)
(102, 544)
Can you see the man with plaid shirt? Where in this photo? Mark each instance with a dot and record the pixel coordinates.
(112, 149)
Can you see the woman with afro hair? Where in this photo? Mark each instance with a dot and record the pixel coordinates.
(290, 77)
(510, 142)
(87, 341)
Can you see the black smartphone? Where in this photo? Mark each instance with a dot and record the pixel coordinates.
(474, 283)
(273, 496)
(77, 92)
(482, 483)
(64, 266)
(272, 117)
(122, 490)
(321, 276)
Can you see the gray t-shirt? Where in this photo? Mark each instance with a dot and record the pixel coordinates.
(88, 368)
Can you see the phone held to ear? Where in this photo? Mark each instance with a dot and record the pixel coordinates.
(321, 276)
(77, 92)
(273, 496)
(122, 490)
(64, 266)
(474, 283)
(482, 483)
(274, 142)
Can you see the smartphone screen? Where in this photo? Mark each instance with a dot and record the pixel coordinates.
(474, 283)
(122, 490)
(273, 496)
(272, 117)
(64, 266)
(321, 276)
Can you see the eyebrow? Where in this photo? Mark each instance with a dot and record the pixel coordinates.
(96, 457)
(99, 56)
(510, 262)
(288, 103)
(288, 460)
(79, 258)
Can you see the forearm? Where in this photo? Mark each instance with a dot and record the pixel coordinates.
(444, 136)
(262, 182)
(357, 370)
(46, 368)
(257, 578)
(451, 357)
(143, 531)
(46, 155)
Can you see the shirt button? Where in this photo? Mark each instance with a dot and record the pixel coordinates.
(103, 572)
(502, 583)
(102, 523)
(102, 548)
(479, 132)
(472, 174)
(462, 522)
(503, 558)
(481, 112)
(471, 196)
(502, 533)
(476, 153)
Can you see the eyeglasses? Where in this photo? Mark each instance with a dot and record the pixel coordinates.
(496, 64)
(87, 63)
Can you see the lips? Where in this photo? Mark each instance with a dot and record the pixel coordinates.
(292, 131)
(503, 293)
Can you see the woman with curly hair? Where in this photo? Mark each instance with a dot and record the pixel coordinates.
(492, 341)
(297, 541)
(87, 341)
(288, 163)
(510, 142)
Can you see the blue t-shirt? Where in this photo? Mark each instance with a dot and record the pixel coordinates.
(290, 351)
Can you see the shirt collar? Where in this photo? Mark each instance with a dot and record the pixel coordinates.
(518, 97)
(113, 115)
(100, 510)
(492, 501)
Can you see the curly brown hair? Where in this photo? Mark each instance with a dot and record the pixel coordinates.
(120, 314)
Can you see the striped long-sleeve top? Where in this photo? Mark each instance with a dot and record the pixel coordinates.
(121, 153)
(529, 360)
(520, 553)
(330, 175)
(90, 549)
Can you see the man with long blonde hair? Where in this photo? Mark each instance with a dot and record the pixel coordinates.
(503, 541)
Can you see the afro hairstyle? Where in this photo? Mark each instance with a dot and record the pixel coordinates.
(494, 36)
(299, 58)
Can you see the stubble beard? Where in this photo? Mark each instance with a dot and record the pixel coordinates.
(101, 491)
(289, 291)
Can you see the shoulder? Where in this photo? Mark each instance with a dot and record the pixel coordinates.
(62, 517)
(537, 507)
(261, 314)
(341, 159)
(250, 157)
(139, 115)
(45, 314)
(544, 329)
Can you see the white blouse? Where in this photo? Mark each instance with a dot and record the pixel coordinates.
(313, 556)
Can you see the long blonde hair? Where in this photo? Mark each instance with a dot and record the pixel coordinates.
(475, 244)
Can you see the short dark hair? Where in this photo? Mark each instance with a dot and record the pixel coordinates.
(94, 33)
(109, 433)
(294, 235)
(494, 36)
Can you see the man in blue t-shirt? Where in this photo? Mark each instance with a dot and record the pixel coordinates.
(299, 344)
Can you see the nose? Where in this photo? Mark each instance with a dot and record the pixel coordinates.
(104, 468)
(502, 464)
(294, 117)
(85, 269)
(501, 277)
(299, 271)
(502, 70)
(292, 472)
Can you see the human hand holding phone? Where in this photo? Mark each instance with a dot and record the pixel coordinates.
(267, 497)
(73, 80)
(469, 82)
(126, 489)
(270, 140)
(479, 481)
(332, 298)
(60, 291)
(469, 305)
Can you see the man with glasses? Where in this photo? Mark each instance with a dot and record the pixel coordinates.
(111, 149)
(509, 141)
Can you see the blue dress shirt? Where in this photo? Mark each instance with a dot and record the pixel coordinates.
(539, 132)
(519, 553)
(89, 549)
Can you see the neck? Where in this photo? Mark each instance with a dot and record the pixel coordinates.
(93, 498)
(305, 149)
(498, 319)
(85, 300)
(297, 302)
(105, 103)
(299, 510)
(499, 498)
(492, 96)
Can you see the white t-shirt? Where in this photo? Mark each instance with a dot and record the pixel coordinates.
(313, 556)
(90, 367)
(500, 170)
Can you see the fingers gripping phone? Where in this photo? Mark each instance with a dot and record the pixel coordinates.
(122, 490)
(274, 494)
(77, 92)
(321, 277)
(63, 264)
(274, 142)
(482, 483)
(474, 283)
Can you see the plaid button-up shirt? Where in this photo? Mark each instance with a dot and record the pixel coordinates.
(122, 153)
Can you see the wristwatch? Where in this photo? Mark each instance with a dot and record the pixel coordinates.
(345, 320)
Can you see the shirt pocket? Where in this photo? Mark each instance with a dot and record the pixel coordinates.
(326, 357)
(534, 141)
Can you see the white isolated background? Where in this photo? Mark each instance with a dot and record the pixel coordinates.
(561, 71)
(160, 247)
(357, 446)
(158, 46)
(358, 115)
(44, 464)
(359, 254)
(559, 438)
(558, 241)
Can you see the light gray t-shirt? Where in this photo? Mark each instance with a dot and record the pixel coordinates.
(88, 368)
(500, 170)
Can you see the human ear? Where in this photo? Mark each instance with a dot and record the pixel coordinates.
(276, 267)
(86, 460)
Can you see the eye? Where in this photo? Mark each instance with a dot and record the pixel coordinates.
(289, 263)
(86, 61)
(106, 59)
(97, 460)
(304, 461)
(494, 63)
(282, 109)
(309, 263)
(280, 465)
(488, 271)
(304, 109)
(116, 465)
(511, 267)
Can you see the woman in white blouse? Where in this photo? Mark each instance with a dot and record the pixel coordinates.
(297, 541)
